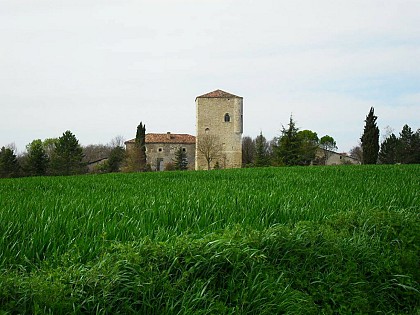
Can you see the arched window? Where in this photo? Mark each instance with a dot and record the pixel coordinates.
(207, 130)
(227, 117)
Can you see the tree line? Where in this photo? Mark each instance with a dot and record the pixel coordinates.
(65, 156)
(60, 156)
(401, 149)
(292, 147)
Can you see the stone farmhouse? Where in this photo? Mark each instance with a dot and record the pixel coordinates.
(218, 114)
(161, 148)
(334, 158)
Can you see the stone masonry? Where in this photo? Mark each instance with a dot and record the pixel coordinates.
(161, 148)
(220, 114)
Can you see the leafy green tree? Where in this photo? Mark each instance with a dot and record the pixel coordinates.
(9, 166)
(37, 160)
(388, 153)
(262, 157)
(308, 146)
(328, 145)
(370, 139)
(49, 146)
(67, 156)
(180, 161)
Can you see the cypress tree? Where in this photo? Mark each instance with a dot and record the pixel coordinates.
(370, 139)
(140, 148)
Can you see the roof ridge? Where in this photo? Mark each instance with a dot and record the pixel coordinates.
(167, 138)
(218, 94)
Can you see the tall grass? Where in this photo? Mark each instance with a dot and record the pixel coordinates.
(296, 240)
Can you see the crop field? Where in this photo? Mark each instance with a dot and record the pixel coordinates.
(298, 240)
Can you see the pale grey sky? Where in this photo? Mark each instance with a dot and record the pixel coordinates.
(99, 67)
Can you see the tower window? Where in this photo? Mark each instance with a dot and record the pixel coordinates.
(207, 130)
(227, 117)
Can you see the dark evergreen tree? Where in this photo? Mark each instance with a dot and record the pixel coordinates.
(140, 147)
(180, 161)
(388, 153)
(67, 156)
(37, 159)
(116, 157)
(370, 139)
(261, 157)
(407, 146)
(416, 147)
(287, 150)
(9, 166)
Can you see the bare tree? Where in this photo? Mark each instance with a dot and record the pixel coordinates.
(210, 147)
(356, 152)
(118, 141)
(248, 151)
(95, 152)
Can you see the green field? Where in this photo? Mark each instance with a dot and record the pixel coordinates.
(299, 240)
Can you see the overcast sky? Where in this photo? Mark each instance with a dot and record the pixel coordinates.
(99, 67)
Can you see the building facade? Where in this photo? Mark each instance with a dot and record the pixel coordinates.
(327, 157)
(219, 118)
(161, 149)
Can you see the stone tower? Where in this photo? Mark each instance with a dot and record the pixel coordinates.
(219, 123)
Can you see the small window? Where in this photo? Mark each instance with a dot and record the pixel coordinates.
(207, 130)
(184, 150)
(227, 117)
(160, 149)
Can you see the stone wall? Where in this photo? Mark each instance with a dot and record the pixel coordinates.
(161, 149)
(160, 154)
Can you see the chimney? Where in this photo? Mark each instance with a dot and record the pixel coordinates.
(168, 135)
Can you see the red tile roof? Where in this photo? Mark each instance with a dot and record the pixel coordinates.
(218, 94)
(167, 138)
